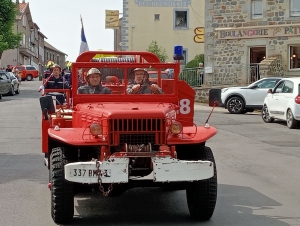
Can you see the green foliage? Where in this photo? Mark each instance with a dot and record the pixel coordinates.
(158, 51)
(8, 40)
(195, 62)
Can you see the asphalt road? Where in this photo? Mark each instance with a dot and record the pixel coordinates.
(258, 174)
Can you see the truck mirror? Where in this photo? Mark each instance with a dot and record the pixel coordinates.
(46, 103)
(214, 97)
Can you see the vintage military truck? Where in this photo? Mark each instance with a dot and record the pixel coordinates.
(113, 142)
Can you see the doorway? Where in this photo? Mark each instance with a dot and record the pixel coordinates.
(257, 55)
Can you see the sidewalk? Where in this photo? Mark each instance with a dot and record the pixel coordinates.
(206, 107)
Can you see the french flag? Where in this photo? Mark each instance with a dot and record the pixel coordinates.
(83, 46)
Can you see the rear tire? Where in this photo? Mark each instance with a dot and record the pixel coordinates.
(62, 191)
(29, 77)
(201, 195)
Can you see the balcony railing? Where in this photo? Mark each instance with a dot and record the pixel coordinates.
(25, 49)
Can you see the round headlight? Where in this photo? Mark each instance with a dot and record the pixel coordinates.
(176, 127)
(96, 129)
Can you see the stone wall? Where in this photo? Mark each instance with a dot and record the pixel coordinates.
(232, 53)
(202, 93)
(271, 66)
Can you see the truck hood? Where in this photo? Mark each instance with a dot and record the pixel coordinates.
(126, 110)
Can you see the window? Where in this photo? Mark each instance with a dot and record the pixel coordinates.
(57, 59)
(156, 16)
(3, 76)
(24, 20)
(257, 9)
(279, 87)
(30, 68)
(288, 87)
(47, 55)
(295, 8)
(24, 39)
(294, 57)
(266, 83)
(181, 19)
(184, 61)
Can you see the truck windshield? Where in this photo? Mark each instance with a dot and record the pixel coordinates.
(123, 80)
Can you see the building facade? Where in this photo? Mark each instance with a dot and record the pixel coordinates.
(168, 22)
(26, 52)
(33, 47)
(53, 54)
(250, 39)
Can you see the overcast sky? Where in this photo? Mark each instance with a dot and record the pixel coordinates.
(59, 21)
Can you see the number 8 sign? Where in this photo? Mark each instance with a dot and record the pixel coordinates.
(185, 106)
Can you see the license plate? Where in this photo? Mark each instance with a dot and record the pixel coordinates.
(89, 173)
(112, 171)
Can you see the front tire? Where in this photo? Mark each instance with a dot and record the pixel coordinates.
(290, 120)
(62, 191)
(18, 90)
(11, 91)
(265, 115)
(236, 105)
(202, 195)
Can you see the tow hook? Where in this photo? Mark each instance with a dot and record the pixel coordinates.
(50, 185)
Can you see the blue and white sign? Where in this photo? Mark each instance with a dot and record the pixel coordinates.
(163, 3)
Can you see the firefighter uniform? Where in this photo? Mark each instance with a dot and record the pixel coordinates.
(57, 83)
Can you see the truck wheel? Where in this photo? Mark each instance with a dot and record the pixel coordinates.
(202, 195)
(29, 77)
(62, 191)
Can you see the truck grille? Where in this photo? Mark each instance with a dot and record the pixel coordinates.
(137, 131)
(137, 138)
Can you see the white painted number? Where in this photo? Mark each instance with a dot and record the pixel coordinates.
(185, 106)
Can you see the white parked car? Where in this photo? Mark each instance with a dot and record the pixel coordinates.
(239, 100)
(283, 102)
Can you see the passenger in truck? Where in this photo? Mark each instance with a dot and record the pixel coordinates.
(94, 86)
(142, 85)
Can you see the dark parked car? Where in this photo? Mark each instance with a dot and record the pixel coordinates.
(15, 85)
(5, 83)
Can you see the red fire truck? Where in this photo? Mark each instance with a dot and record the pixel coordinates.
(113, 142)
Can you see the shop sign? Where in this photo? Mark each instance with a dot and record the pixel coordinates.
(163, 3)
(259, 31)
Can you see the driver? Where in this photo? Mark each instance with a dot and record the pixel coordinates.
(94, 86)
(141, 84)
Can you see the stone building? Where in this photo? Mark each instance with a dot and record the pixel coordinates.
(169, 22)
(250, 39)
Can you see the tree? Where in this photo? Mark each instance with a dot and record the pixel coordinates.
(8, 39)
(195, 62)
(158, 51)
